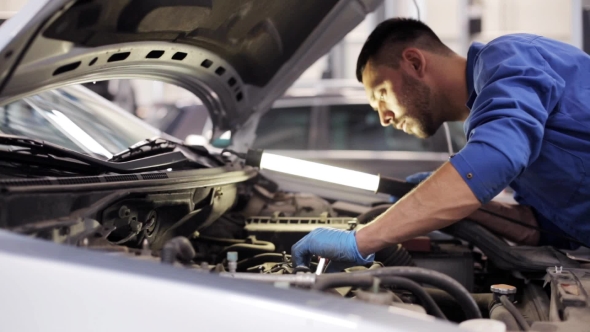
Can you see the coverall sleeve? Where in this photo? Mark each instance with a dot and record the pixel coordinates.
(516, 91)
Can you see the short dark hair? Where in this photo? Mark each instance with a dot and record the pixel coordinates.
(399, 33)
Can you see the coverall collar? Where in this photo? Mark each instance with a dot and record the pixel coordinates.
(472, 54)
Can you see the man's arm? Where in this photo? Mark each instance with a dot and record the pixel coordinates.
(439, 201)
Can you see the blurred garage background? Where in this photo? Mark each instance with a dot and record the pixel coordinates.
(324, 116)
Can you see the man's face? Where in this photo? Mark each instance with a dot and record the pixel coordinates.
(402, 100)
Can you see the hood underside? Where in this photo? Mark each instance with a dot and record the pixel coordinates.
(238, 56)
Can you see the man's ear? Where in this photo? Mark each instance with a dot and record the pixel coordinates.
(415, 60)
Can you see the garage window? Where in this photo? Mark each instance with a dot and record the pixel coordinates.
(284, 129)
(357, 127)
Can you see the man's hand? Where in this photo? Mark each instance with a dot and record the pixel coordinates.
(333, 244)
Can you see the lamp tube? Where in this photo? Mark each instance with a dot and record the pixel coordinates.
(332, 174)
(319, 172)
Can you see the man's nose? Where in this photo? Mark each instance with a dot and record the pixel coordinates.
(385, 115)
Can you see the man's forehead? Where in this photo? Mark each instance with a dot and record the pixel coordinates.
(372, 77)
(369, 75)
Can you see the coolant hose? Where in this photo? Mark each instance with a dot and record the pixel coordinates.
(179, 246)
(514, 311)
(500, 313)
(417, 274)
(425, 299)
(335, 280)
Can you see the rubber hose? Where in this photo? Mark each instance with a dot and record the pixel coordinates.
(335, 280)
(397, 299)
(395, 255)
(452, 309)
(514, 311)
(179, 246)
(425, 299)
(500, 313)
(417, 274)
(443, 299)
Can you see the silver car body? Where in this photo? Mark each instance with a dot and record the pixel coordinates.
(51, 287)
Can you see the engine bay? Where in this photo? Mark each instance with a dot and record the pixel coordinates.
(237, 224)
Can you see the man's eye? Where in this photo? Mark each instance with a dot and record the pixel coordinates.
(382, 96)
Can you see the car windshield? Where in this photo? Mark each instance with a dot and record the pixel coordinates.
(76, 118)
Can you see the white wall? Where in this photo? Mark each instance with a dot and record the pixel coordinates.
(9, 7)
(448, 19)
(550, 18)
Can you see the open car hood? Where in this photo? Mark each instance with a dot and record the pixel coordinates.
(238, 56)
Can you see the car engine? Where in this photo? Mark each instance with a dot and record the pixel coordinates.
(242, 226)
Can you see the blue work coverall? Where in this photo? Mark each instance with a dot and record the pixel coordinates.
(529, 128)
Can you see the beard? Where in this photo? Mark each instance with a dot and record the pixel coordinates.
(417, 99)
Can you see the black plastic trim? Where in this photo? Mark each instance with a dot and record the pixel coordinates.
(201, 177)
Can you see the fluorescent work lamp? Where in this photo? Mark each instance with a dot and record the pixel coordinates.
(320, 172)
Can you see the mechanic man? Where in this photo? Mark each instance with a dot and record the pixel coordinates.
(525, 103)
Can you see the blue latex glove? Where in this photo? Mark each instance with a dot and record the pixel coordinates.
(415, 179)
(418, 177)
(334, 244)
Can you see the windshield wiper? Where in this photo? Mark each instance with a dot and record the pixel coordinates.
(159, 145)
(48, 154)
(145, 148)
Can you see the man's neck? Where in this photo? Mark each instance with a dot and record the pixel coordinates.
(454, 85)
